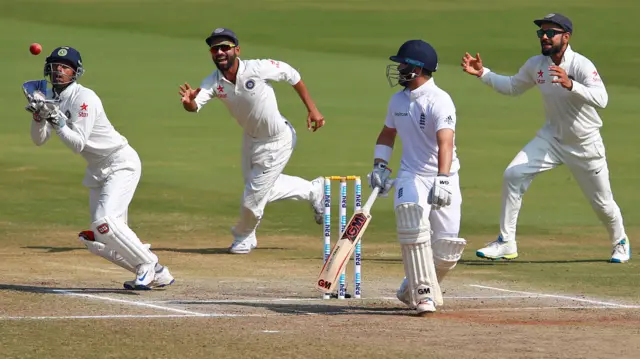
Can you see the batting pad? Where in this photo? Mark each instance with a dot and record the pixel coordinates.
(117, 236)
(414, 235)
(112, 256)
(446, 254)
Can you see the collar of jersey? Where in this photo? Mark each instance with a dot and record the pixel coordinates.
(241, 68)
(421, 90)
(566, 57)
(66, 92)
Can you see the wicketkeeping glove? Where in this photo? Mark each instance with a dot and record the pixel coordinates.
(441, 192)
(51, 112)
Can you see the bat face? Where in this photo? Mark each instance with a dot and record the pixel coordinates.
(342, 251)
(354, 228)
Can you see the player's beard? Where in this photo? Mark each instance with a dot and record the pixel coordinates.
(230, 60)
(553, 49)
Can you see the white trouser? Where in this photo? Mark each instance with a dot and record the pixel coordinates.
(412, 188)
(587, 163)
(263, 161)
(113, 184)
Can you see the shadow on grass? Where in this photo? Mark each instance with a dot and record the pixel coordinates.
(488, 262)
(50, 249)
(288, 308)
(62, 290)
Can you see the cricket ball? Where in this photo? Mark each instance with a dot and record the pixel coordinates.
(35, 48)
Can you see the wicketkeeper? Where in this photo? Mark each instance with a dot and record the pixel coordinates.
(75, 114)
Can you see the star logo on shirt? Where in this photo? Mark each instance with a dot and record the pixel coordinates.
(220, 88)
(83, 107)
(540, 73)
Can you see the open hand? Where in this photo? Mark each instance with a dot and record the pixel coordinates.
(188, 94)
(472, 65)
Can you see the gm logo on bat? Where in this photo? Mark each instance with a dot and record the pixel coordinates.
(355, 226)
(324, 284)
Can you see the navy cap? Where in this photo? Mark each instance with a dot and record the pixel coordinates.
(557, 19)
(222, 32)
(66, 53)
(418, 53)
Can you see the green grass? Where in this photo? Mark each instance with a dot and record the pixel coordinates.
(137, 53)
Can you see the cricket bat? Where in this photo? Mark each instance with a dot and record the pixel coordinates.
(344, 247)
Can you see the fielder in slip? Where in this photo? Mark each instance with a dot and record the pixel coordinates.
(427, 196)
(75, 114)
(269, 139)
(571, 89)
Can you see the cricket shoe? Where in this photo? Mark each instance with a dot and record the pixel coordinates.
(403, 293)
(499, 249)
(243, 244)
(425, 307)
(161, 279)
(621, 252)
(317, 199)
(145, 274)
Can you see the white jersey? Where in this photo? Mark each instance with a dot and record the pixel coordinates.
(571, 116)
(251, 100)
(417, 116)
(88, 131)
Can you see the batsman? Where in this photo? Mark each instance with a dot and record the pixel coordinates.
(427, 196)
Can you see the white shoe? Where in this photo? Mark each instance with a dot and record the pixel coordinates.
(243, 245)
(145, 274)
(317, 199)
(162, 278)
(499, 249)
(403, 294)
(425, 306)
(621, 252)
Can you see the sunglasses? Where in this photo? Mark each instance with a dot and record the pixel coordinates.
(550, 33)
(223, 48)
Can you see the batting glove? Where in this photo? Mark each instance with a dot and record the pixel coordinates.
(379, 177)
(441, 192)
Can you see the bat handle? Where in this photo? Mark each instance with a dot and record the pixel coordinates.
(372, 198)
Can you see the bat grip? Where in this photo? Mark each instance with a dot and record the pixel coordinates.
(372, 198)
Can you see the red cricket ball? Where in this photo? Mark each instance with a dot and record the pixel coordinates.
(35, 48)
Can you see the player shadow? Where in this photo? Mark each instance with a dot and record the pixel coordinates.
(49, 249)
(60, 290)
(488, 262)
(308, 309)
(214, 250)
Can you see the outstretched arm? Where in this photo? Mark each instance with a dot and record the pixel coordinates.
(506, 85)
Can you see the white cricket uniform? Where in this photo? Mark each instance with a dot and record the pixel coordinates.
(417, 116)
(113, 167)
(570, 135)
(269, 139)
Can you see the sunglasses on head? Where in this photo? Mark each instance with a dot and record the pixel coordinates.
(223, 48)
(549, 32)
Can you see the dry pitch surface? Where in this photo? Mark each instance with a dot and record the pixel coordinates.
(60, 302)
